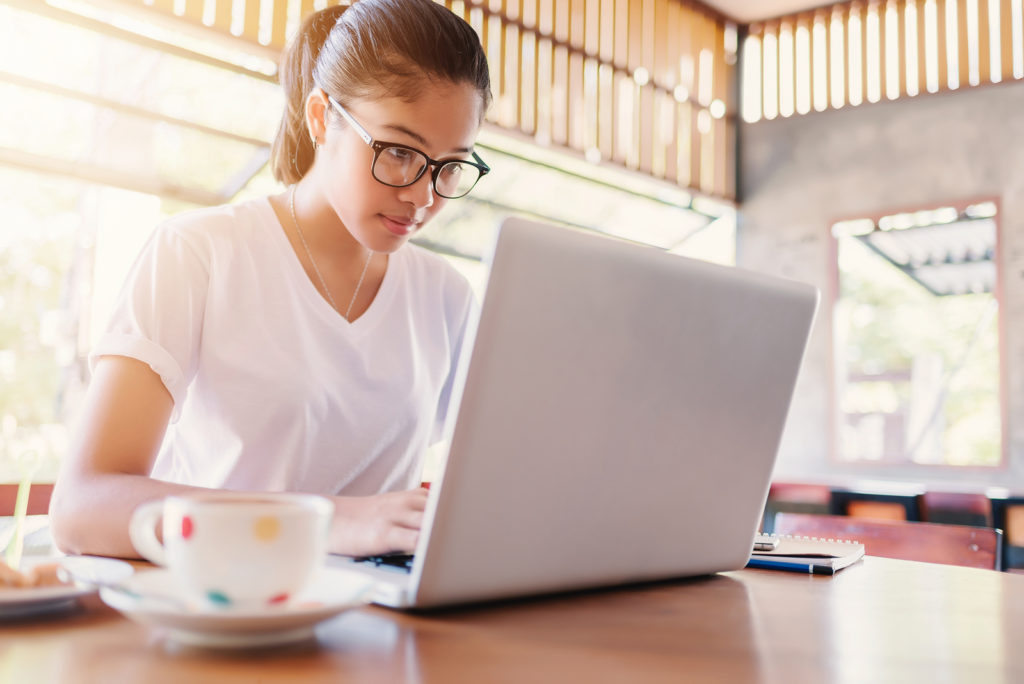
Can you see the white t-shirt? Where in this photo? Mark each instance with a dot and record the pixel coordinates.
(273, 390)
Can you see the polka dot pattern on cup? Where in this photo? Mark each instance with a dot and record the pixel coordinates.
(266, 528)
(186, 527)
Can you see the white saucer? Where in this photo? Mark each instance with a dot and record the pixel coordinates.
(330, 593)
(21, 602)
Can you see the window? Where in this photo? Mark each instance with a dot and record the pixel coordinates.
(917, 338)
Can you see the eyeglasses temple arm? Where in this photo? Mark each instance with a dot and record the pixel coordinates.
(482, 163)
(363, 133)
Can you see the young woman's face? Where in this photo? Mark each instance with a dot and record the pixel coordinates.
(442, 123)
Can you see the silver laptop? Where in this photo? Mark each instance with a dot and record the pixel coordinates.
(619, 420)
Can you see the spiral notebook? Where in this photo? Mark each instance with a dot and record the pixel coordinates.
(804, 554)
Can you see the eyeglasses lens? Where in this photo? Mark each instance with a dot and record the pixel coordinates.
(399, 166)
(456, 179)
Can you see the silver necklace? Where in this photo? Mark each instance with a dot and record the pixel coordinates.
(316, 269)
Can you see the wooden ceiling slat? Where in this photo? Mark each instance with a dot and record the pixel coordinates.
(1006, 39)
(984, 44)
(963, 56)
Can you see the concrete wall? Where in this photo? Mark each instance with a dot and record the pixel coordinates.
(799, 175)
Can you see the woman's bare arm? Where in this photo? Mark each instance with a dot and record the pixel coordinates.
(106, 475)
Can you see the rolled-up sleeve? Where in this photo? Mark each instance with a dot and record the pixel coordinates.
(158, 317)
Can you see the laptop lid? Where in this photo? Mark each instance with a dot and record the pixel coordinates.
(619, 419)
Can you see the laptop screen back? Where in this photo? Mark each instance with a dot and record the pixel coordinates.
(619, 421)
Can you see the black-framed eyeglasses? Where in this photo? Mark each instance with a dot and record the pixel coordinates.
(400, 165)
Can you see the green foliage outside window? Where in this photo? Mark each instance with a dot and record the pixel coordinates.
(891, 330)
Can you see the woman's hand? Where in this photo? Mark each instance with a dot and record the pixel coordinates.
(372, 525)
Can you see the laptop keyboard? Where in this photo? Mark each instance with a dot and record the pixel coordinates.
(395, 561)
(403, 561)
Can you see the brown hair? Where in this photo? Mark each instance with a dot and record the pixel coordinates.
(372, 48)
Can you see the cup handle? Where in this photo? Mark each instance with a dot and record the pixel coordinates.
(142, 532)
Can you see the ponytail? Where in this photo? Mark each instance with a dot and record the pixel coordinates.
(291, 154)
(371, 48)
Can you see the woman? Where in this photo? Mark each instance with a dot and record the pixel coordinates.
(297, 342)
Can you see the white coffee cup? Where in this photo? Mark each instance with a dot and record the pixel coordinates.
(234, 549)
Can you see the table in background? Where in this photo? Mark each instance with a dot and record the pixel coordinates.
(879, 620)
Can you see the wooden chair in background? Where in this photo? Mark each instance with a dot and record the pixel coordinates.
(1008, 516)
(958, 508)
(794, 497)
(975, 547)
(38, 499)
(36, 529)
(877, 505)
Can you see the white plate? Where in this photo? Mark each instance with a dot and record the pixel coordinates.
(19, 602)
(159, 601)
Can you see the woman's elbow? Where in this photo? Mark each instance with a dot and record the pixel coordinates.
(66, 522)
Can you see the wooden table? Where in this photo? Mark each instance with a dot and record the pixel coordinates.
(880, 620)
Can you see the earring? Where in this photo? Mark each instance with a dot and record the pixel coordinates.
(316, 143)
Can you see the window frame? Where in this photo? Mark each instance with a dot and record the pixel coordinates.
(909, 470)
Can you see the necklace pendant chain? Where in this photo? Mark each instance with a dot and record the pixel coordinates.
(316, 269)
